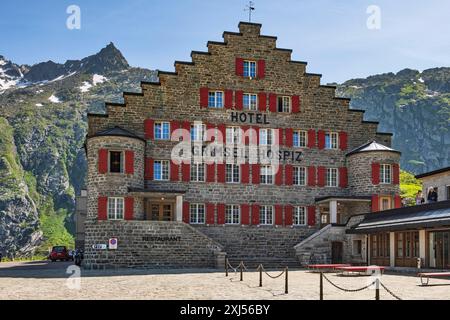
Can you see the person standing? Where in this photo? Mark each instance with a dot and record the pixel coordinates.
(419, 197)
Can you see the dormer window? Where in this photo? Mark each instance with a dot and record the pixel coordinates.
(249, 69)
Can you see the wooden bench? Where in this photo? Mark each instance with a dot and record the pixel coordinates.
(366, 270)
(326, 267)
(428, 275)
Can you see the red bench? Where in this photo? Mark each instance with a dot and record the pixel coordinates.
(326, 267)
(361, 269)
(428, 275)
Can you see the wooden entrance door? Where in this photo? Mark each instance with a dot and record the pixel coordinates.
(160, 211)
(336, 252)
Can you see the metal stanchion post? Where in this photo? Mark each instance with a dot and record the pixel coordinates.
(226, 267)
(286, 281)
(321, 286)
(242, 270)
(377, 289)
(260, 275)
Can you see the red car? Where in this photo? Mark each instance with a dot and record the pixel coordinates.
(59, 253)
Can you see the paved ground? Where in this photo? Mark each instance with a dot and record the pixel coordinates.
(46, 280)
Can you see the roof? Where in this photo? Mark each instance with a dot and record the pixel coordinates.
(431, 173)
(150, 190)
(116, 132)
(406, 218)
(371, 146)
(319, 199)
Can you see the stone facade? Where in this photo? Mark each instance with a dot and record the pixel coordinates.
(177, 99)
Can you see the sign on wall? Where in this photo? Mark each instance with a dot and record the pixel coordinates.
(99, 246)
(112, 243)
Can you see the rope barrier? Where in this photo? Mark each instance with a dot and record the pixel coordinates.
(348, 290)
(390, 292)
(273, 277)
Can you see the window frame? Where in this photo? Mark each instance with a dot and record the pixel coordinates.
(264, 132)
(264, 176)
(333, 140)
(162, 162)
(247, 70)
(233, 168)
(297, 217)
(284, 108)
(215, 104)
(389, 199)
(122, 161)
(250, 100)
(299, 133)
(196, 173)
(230, 212)
(235, 129)
(296, 176)
(384, 177)
(115, 216)
(162, 123)
(197, 213)
(263, 213)
(328, 177)
(194, 132)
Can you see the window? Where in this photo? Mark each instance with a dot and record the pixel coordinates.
(299, 176)
(197, 132)
(115, 208)
(300, 216)
(266, 215)
(385, 203)
(332, 180)
(232, 173)
(331, 140)
(385, 173)
(232, 214)
(266, 175)
(284, 104)
(299, 139)
(357, 247)
(400, 245)
(447, 188)
(233, 135)
(198, 172)
(115, 161)
(161, 170)
(197, 213)
(162, 130)
(250, 101)
(249, 69)
(266, 137)
(215, 99)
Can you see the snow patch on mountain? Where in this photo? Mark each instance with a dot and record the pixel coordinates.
(54, 99)
(97, 78)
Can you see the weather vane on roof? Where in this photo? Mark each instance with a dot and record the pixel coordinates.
(250, 7)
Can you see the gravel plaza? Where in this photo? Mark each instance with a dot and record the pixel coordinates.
(44, 280)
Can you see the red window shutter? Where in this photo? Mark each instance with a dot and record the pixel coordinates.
(255, 173)
(288, 215)
(220, 213)
(396, 173)
(375, 173)
(343, 180)
(228, 99)
(148, 129)
(311, 138)
(210, 213)
(262, 101)
(279, 176)
(186, 172)
(210, 172)
(245, 214)
(289, 137)
(129, 162)
(321, 176)
(375, 203)
(239, 96)
(289, 174)
(245, 173)
(174, 171)
(261, 69)
(148, 169)
(186, 212)
(245, 135)
(239, 67)
(101, 209)
(272, 102)
(397, 201)
(311, 176)
(221, 172)
(129, 208)
(278, 214)
(321, 139)
(295, 104)
(223, 132)
(343, 140)
(204, 93)
(278, 137)
(102, 160)
(311, 215)
(255, 138)
(174, 125)
(210, 132)
(255, 214)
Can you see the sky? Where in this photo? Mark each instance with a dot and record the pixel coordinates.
(331, 35)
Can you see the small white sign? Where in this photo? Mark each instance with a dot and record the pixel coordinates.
(99, 246)
(113, 244)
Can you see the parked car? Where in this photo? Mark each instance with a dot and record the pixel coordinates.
(59, 253)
